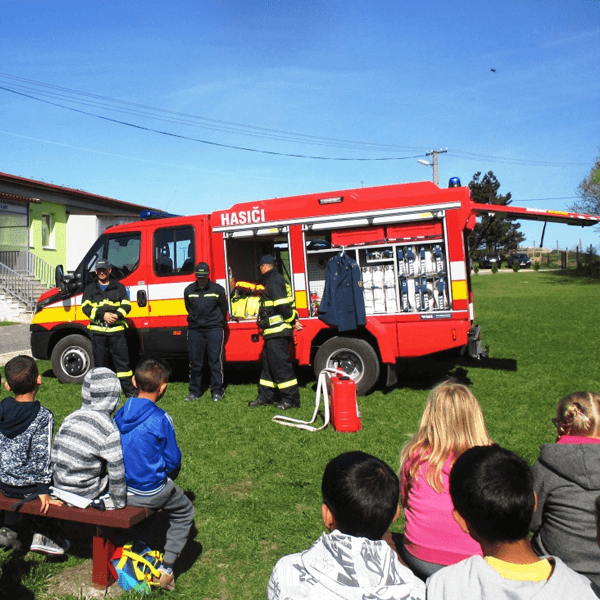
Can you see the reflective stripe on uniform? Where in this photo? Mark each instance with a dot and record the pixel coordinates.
(108, 328)
(267, 383)
(287, 384)
(121, 374)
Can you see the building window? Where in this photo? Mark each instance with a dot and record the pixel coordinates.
(47, 231)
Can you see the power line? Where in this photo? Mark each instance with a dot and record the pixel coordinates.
(185, 137)
(28, 87)
(515, 161)
(104, 102)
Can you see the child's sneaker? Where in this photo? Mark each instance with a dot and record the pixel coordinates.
(9, 538)
(45, 545)
(166, 580)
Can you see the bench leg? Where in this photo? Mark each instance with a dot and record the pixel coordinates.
(102, 551)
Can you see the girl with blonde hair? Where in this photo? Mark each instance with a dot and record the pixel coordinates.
(452, 423)
(567, 482)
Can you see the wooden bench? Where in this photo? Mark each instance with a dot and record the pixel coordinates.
(106, 522)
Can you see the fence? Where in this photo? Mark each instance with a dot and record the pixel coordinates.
(587, 263)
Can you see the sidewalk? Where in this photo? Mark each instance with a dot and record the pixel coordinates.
(14, 340)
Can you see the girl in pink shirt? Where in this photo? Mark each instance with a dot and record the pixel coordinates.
(452, 423)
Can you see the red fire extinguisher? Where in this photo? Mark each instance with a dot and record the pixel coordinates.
(344, 409)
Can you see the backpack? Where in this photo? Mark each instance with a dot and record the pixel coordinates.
(134, 565)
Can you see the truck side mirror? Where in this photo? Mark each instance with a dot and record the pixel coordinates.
(59, 278)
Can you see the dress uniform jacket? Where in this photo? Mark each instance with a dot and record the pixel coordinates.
(343, 303)
(206, 307)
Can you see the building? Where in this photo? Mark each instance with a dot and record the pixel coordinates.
(43, 225)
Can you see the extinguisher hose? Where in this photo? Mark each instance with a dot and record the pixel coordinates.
(321, 391)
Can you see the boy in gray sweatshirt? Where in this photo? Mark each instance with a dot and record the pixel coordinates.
(493, 498)
(87, 458)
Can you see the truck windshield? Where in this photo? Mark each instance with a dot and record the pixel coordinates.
(122, 250)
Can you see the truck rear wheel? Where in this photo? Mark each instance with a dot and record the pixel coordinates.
(72, 358)
(355, 356)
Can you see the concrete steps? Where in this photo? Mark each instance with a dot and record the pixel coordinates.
(13, 310)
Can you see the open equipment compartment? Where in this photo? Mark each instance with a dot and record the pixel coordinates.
(403, 266)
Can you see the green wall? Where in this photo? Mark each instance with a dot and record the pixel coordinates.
(56, 252)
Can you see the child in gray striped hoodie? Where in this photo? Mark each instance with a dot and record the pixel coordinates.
(87, 458)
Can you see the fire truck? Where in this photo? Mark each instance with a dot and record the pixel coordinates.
(408, 240)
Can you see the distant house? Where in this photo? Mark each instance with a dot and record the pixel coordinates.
(43, 225)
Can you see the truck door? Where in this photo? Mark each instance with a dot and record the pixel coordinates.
(173, 250)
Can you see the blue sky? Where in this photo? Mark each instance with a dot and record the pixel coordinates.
(396, 79)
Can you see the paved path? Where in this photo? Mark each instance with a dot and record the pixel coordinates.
(14, 340)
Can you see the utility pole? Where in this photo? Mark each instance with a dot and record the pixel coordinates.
(433, 163)
(435, 153)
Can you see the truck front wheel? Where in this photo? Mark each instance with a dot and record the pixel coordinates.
(72, 358)
(355, 356)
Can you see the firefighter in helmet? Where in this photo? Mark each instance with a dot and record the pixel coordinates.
(277, 318)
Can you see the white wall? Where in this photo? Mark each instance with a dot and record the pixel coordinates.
(83, 231)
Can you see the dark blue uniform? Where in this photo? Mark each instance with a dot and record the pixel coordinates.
(207, 315)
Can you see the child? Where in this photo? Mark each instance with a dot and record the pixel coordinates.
(452, 422)
(87, 458)
(152, 459)
(360, 501)
(567, 481)
(25, 441)
(493, 497)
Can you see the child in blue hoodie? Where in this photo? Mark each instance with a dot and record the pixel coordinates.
(153, 459)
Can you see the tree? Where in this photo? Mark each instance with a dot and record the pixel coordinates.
(589, 192)
(493, 234)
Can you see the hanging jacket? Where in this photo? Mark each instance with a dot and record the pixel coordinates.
(206, 307)
(95, 302)
(277, 310)
(344, 567)
(343, 304)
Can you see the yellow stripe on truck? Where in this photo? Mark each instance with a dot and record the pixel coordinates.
(59, 314)
(459, 290)
(167, 308)
(301, 301)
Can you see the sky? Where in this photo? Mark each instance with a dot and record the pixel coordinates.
(193, 106)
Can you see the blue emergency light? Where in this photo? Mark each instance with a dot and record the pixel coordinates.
(146, 215)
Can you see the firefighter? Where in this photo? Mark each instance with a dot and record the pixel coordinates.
(106, 303)
(277, 318)
(206, 304)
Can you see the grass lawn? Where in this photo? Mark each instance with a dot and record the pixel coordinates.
(256, 484)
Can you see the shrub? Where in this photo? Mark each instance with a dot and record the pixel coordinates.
(536, 266)
(495, 268)
(475, 268)
(515, 266)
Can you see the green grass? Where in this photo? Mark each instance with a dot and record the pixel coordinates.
(6, 323)
(256, 484)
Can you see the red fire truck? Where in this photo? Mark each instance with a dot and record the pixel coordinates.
(409, 241)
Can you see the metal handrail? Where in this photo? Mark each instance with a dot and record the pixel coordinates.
(21, 288)
(23, 261)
